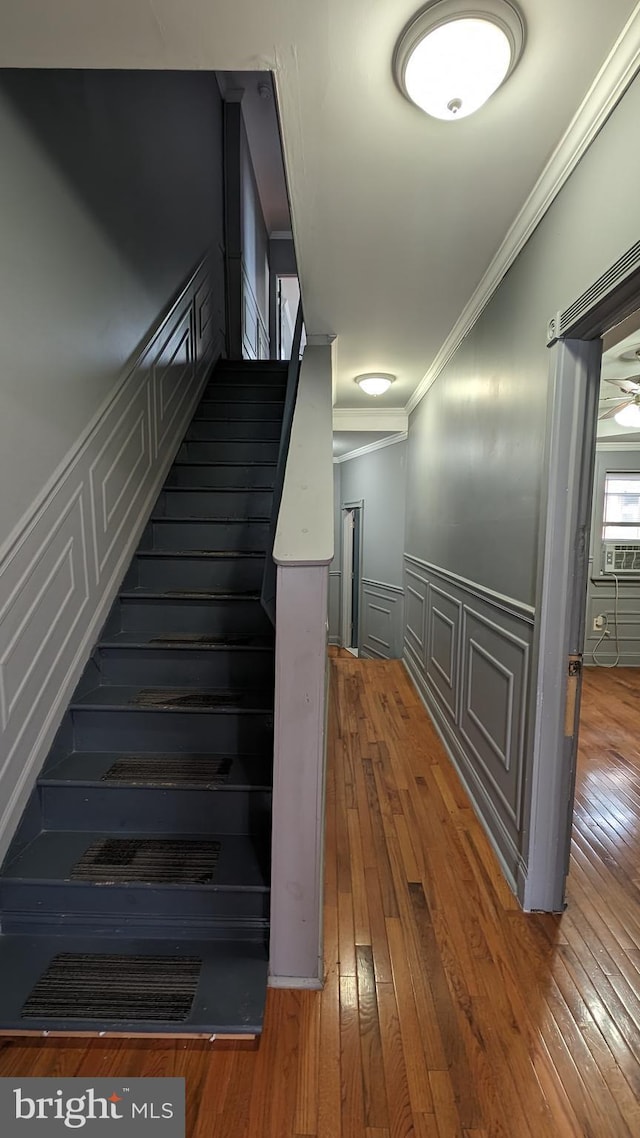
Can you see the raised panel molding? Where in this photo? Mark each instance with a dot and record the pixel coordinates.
(381, 620)
(443, 656)
(60, 569)
(255, 337)
(416, 589)
(470, 663)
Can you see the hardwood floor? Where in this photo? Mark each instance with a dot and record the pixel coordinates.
(447, 1013)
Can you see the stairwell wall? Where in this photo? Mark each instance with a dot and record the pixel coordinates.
(112, 282)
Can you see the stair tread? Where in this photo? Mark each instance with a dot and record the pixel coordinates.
(229, 997)
(212, 700)
(191, 642)
(53, 854)
(88, 768)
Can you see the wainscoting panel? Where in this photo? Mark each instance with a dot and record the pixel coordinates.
(443, 657)
(255, 337)
(61, 567)
(470, 661)
(416, 588)
(381, 620)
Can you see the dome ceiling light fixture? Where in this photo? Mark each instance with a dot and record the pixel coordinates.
(454, 54)
(375, 382)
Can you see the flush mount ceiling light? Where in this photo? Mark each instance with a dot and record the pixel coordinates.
(453, 56)
(375, 382)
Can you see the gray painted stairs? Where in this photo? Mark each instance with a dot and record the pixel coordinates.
(162, 764)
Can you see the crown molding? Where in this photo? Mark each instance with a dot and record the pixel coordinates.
(399, 438)
(608, 87)
(320, 339)
(370, 419)
(613, 445)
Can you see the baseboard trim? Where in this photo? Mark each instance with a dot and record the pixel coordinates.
(304, 983)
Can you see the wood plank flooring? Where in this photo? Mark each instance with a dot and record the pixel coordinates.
(447, 1013)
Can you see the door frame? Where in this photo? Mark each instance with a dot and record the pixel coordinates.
(574, 339)
(346, 608)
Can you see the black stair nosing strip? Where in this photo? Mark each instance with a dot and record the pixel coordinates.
(203, 554)
(160, 595)
(158, 784)
(217, 489)
(258, 519)
(167, 709)
(236, 419)
(158, 644)
(213, 462)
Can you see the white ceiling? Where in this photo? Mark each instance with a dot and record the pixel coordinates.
(396, 216)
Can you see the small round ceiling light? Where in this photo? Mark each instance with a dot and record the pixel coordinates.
(629, 416)
(375, 383)
(454, 54)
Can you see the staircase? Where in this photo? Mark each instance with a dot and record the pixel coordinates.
(135, 895)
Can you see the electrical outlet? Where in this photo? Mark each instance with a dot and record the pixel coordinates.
(598, 623)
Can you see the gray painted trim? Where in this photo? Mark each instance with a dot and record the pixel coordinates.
(559, 630)
(370, 447)
(383, 585)
(499, 600)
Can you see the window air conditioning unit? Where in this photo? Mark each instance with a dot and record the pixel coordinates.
(622, 557)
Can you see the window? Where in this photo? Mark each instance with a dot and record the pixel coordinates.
(621, 518)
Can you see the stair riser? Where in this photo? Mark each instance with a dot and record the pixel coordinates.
(139, 732)
(151, 810)
(268, 392)
(201, 618)
(240, 575)
(229, 451)
(262, 476)
(200, 668)
(227, 429)
(240, 409)
(206, 536)
(159, 903)
(214, 503)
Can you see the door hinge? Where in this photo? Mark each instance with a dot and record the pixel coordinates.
(574, 672)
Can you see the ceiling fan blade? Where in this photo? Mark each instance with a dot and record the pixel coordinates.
(611, 411)
(618, 399)
(629, 386)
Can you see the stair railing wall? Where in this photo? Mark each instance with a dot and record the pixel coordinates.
(303, 550)
(268, 595)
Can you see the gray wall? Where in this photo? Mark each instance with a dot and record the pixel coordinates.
(601, 592)
(112, 281)
(111, 190)
(378, 480)
(475, 482)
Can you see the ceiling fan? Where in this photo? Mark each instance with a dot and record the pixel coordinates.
(630, 398)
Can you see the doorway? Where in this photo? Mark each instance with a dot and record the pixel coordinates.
(351, 573)
(575, 343)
